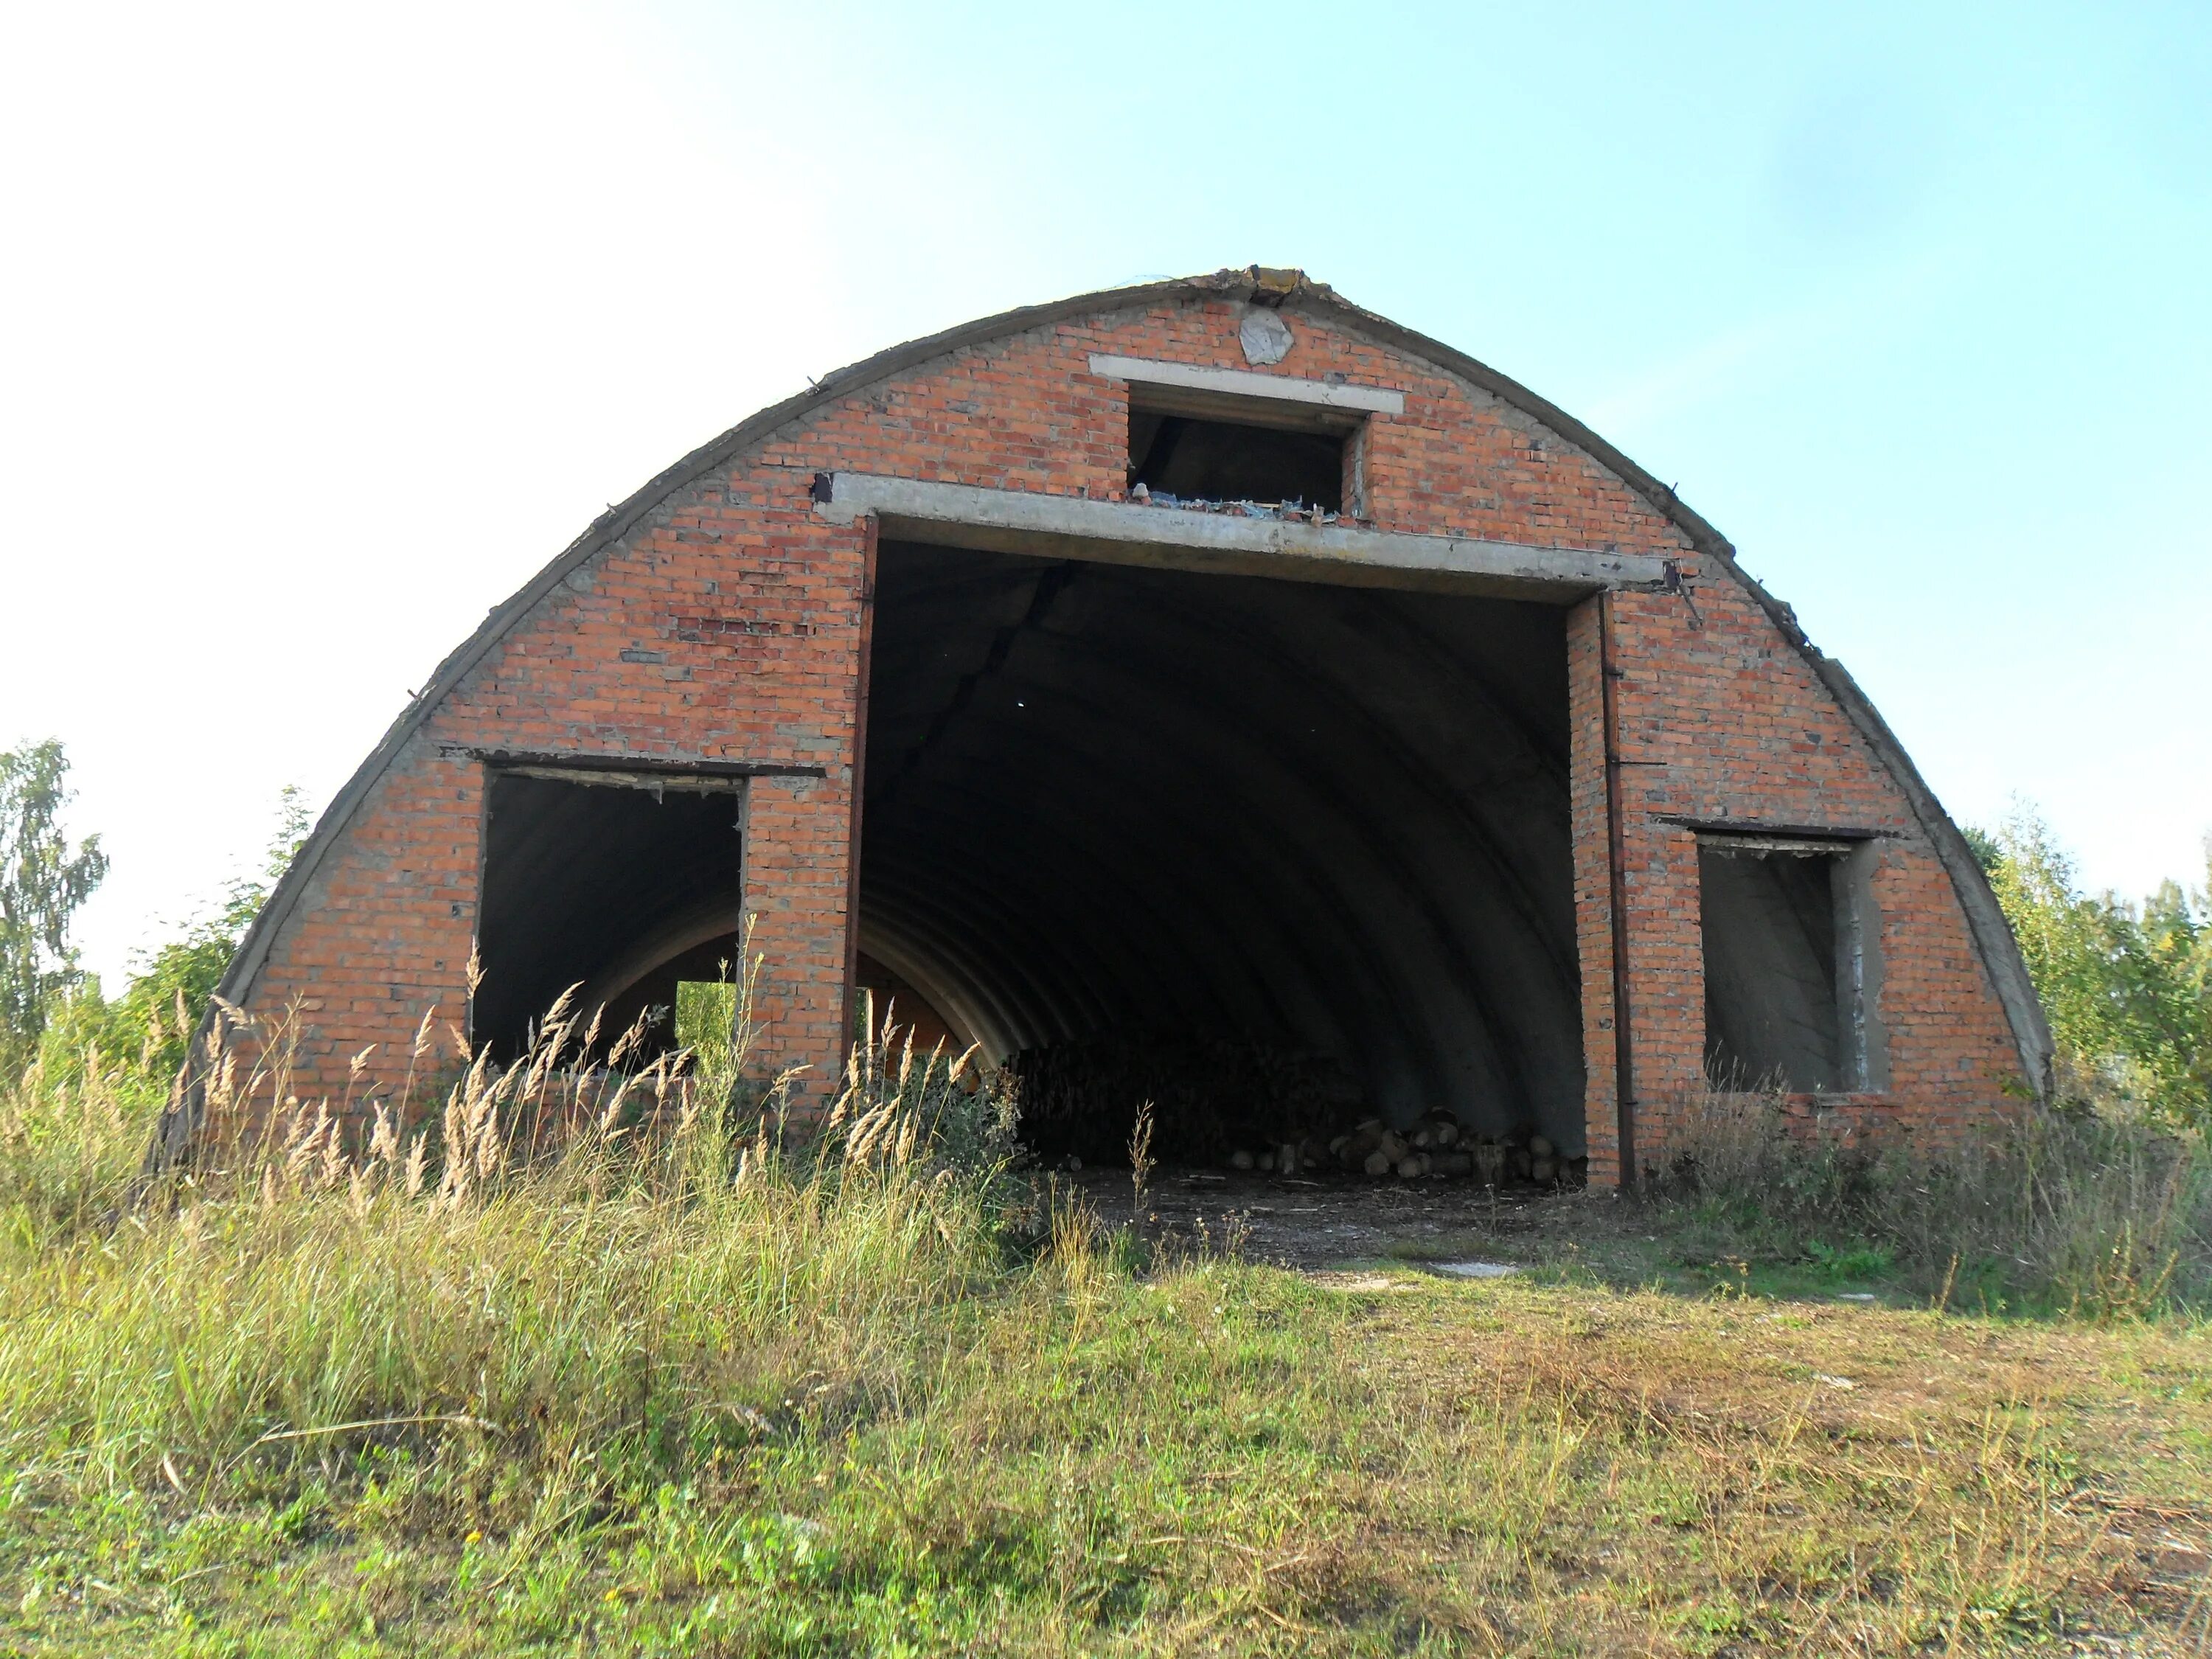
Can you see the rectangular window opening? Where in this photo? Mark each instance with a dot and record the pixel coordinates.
(1204, 446)
(1787, 997)
(608, 888)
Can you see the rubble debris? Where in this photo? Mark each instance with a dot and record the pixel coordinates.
(1295, 510)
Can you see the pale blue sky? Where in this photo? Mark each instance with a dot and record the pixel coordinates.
(320, 331)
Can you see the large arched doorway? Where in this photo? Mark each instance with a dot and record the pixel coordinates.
(1111, 806)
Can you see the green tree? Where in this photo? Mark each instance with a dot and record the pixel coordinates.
(148, 1028)
(42, 883)
(2128, 986)
(2170, 971)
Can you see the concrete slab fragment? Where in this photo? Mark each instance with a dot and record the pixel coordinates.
(1129, 532)
(1244, 383)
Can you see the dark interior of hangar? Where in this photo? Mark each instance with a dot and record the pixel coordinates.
(1773, 1009)
(1311, 839)
(620, 886)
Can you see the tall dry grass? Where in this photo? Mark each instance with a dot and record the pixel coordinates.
(601, 1247)
(575, 1358)
(2054, 1209)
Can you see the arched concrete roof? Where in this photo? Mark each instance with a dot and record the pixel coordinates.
(1999, 952)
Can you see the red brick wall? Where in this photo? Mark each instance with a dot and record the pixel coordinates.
(1725, 721)
(726, 625)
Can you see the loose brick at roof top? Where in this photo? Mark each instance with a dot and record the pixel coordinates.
(718, 623)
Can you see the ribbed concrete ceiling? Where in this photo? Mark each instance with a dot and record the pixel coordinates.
(1104, 798)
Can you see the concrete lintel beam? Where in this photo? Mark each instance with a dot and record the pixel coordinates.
(1243, 383)
(1128, 532)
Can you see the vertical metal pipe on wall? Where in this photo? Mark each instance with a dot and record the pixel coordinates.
(1624, 1044)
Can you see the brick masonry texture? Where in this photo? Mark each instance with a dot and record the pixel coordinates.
(727, 625)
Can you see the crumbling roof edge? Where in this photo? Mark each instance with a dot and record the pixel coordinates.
(1992, 934)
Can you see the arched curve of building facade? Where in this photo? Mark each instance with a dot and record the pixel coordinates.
(1209, 657)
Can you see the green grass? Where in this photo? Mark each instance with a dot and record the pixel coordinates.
(1212, 1457)
(675, 1392)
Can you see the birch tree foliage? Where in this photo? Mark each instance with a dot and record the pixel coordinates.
(43, 882)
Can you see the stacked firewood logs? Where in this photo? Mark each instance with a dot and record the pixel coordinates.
(1247, 1106)
(1207, 1096)
(1435, 1144)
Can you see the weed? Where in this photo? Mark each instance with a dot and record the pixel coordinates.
(2066, 1210)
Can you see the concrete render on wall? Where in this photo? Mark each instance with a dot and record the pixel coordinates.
(717, 618)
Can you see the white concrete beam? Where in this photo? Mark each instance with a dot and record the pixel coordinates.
(1243, 383)
(1129, 532)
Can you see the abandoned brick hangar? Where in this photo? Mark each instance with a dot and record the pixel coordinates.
(1211, 656)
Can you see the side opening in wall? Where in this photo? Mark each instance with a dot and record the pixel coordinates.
(1792, 964)
(624, 886)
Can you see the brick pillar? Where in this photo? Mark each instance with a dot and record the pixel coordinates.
(1659, 880)
(797, 838)
(1586, 785)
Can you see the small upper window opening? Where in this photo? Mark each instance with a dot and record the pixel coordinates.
(1188, 458)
